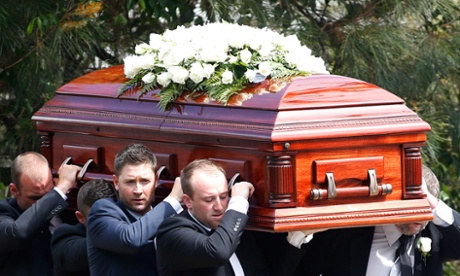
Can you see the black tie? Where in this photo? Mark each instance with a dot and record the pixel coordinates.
(404, 255)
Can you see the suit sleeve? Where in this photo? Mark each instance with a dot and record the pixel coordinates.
(181, 246)
(450, 241)
(15, 232)
(109, 229)
(68, 246)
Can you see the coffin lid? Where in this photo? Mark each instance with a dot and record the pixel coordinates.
(311, 107)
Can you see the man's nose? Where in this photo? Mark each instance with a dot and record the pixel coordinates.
(138, 188)
(218, 204)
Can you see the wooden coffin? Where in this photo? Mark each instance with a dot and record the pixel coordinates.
(324, 151)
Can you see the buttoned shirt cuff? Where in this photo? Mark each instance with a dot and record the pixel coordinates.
(239, 204)
(443, 215)
(174, 203)
(60, 193)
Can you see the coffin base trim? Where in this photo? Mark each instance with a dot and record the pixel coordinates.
(339, 216)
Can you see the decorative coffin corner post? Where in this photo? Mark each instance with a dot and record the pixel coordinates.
(323, 151)
(280, 180)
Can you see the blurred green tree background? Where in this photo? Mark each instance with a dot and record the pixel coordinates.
(407, 47)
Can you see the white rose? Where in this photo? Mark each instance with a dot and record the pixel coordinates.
(214, 52)
(141, 48)
(227, 77)
(245, 56)
(232, 59)
(424, 244)
(133, 64)
(265, 50)
(156, 41)
(148, 78)
(175, 56)
(178, 74)
(164, 79)
(250, 75)
(265, 69)
(208, 69)
(197, 72)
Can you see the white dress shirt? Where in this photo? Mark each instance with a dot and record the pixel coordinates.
(382, 257)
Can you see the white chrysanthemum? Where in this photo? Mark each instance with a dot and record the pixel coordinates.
(148, 78)
(265, 69)
(164, 79)
(227, 77)
(178, 74)
(245, 55)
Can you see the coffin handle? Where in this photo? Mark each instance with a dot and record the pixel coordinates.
(373, 184)
(233, 179)
(83, 170)
(66, 161)
(162, 170)
(332, 191)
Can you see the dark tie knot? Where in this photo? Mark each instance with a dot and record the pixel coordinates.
(404, 240)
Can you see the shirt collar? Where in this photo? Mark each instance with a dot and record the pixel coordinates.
(201, 224)
(392, 233)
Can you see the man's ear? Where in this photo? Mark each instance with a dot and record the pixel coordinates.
(81, 218)
(13, 189)
(115, 182)
(187, 201)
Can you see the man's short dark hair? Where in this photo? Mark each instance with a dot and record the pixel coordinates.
(134, 154)
(93, 190)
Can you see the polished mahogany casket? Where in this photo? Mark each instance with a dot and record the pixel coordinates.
(323, 151)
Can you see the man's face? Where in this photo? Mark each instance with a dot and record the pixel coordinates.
(210, 198)
(410, 229)
(136, 187)
(33, 188)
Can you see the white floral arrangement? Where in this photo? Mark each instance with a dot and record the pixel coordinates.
(424, 245)
(216, 59)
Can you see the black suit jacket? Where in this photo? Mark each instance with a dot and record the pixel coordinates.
(346, 251)
(184, 247)
(25, 237)
(68, 246)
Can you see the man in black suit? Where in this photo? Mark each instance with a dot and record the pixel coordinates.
(120, 233)
(374, 250)
(28, 220)
(203, 240)
(68, 244)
